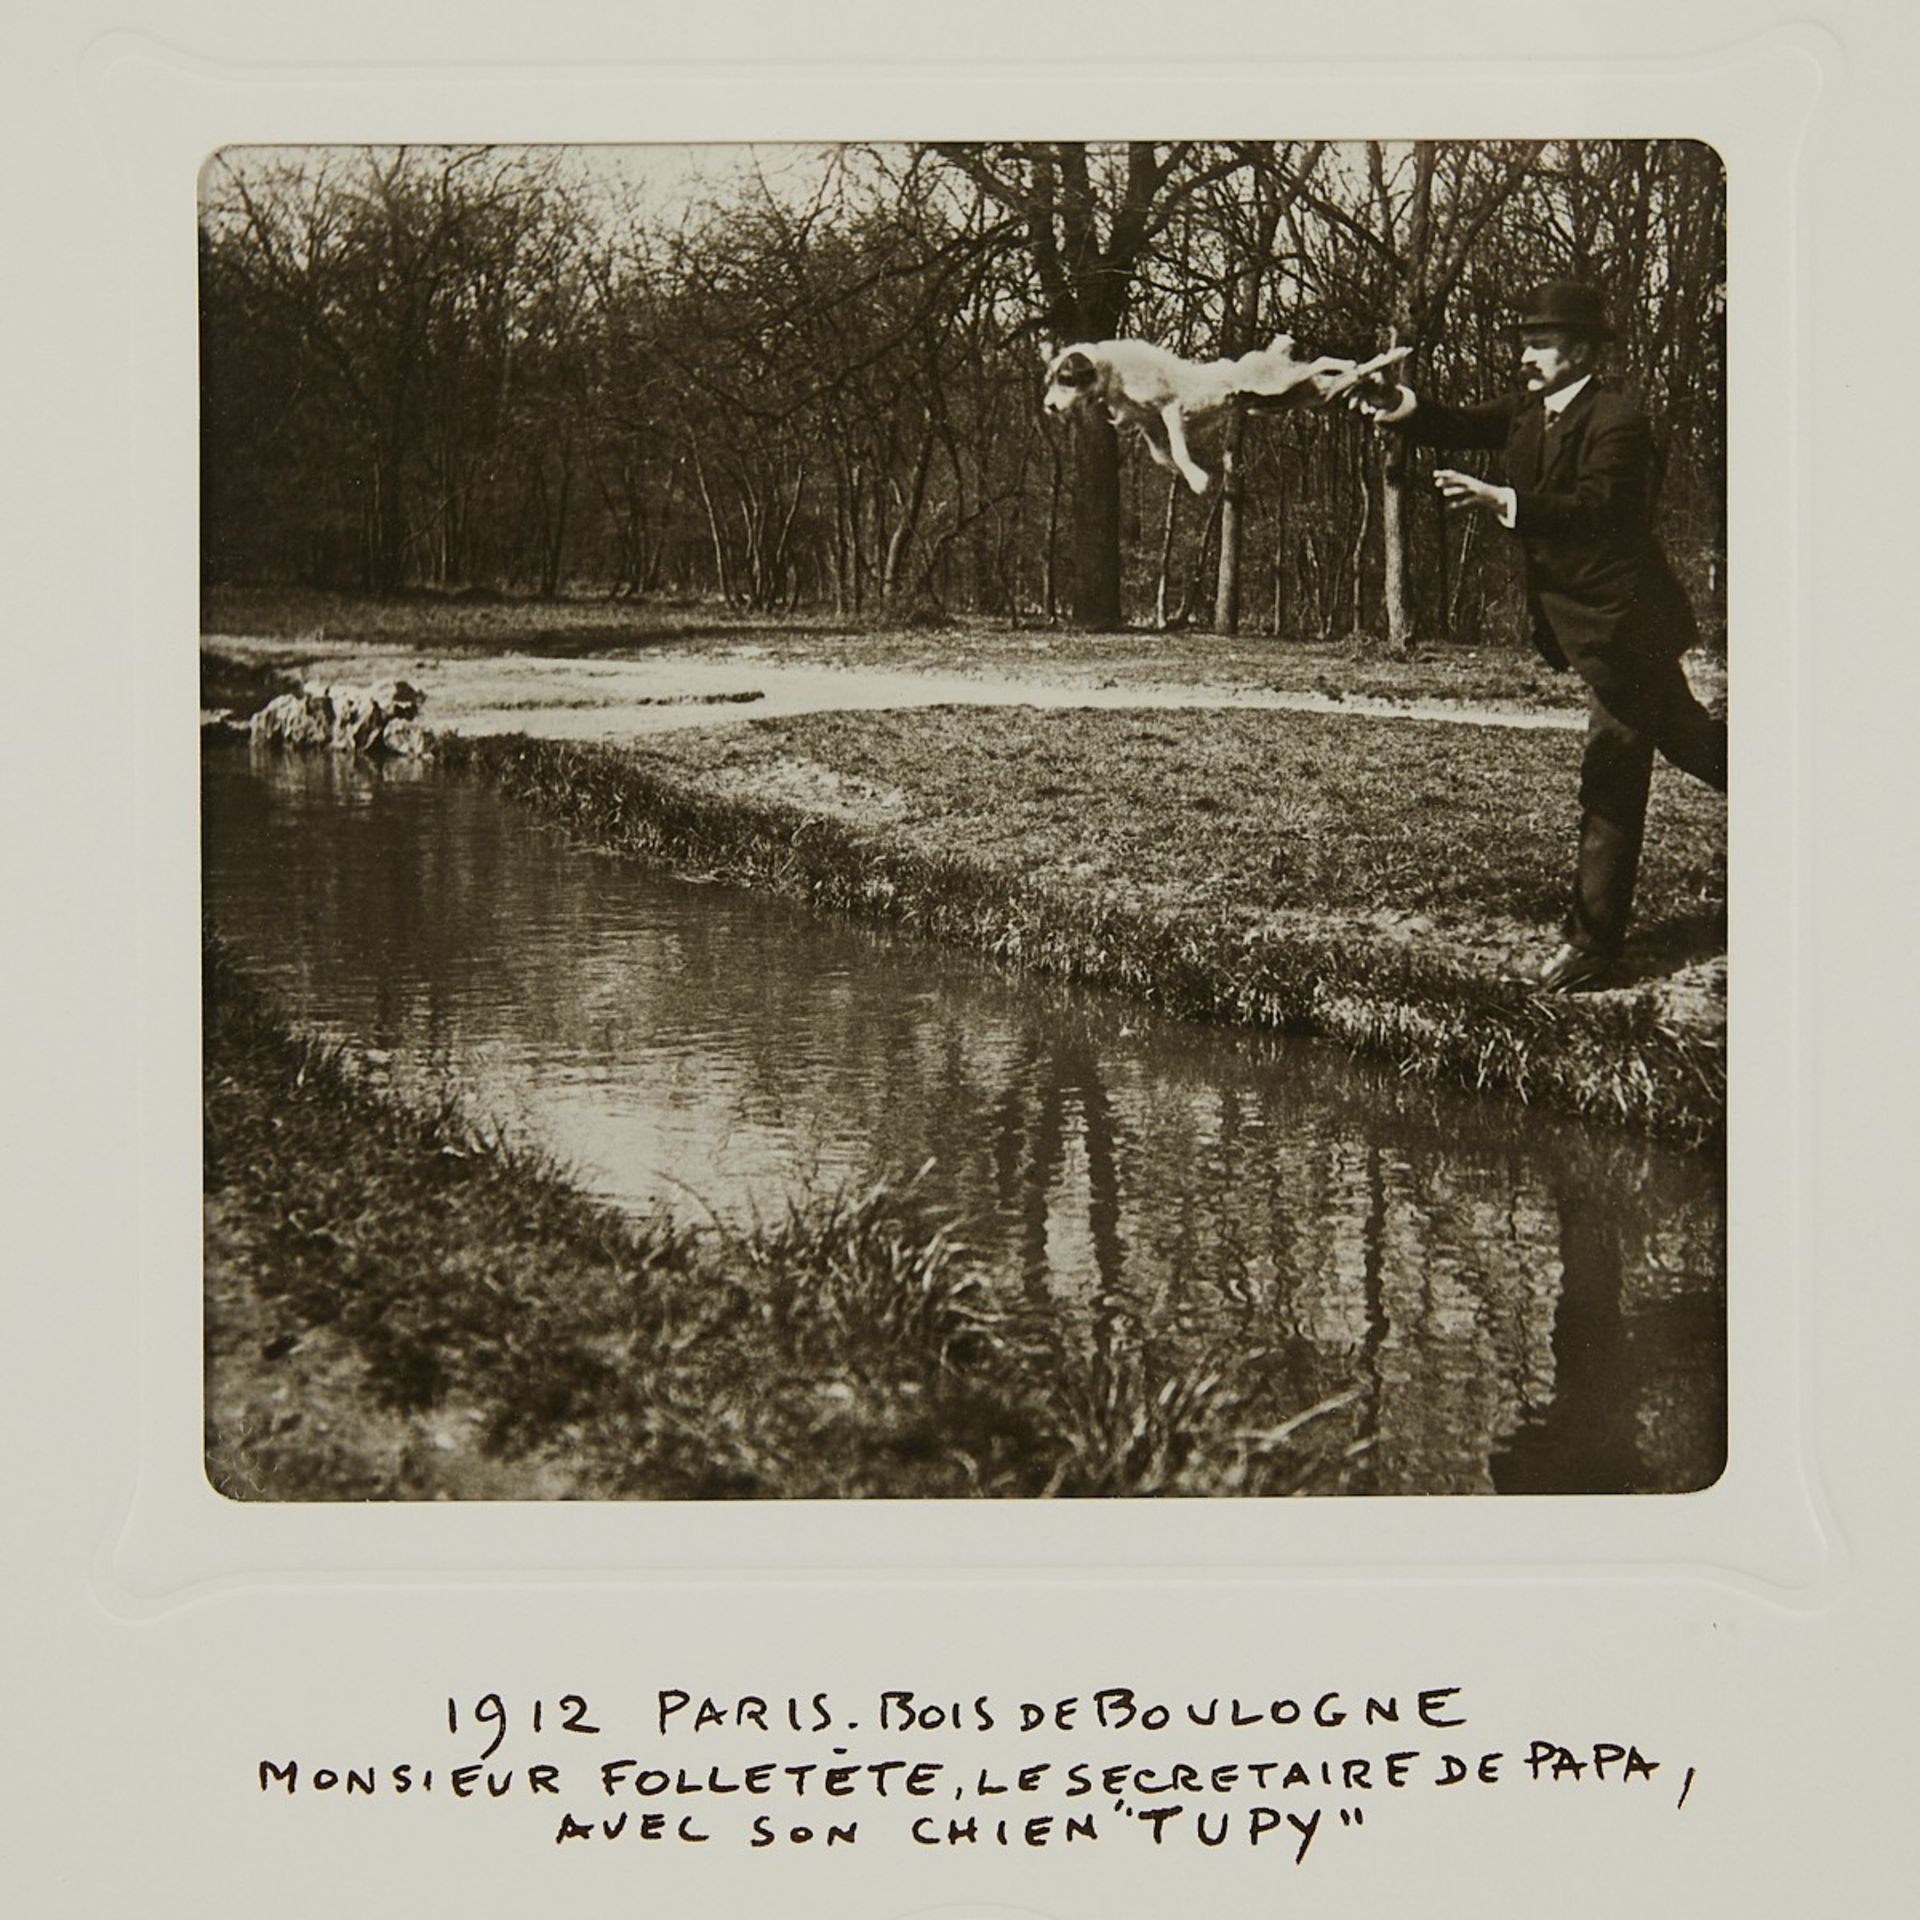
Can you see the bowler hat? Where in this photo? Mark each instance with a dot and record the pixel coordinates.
(1571, 304)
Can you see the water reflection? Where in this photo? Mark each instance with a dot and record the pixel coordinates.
(1496, 1301)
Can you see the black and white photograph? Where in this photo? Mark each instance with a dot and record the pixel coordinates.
(955, 959)
(1014, 821)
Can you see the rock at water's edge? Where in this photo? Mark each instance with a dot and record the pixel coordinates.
(382, 719)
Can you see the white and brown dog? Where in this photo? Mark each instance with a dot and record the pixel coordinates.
(1157, 393)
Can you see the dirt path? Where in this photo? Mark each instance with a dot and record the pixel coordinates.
(602, 699)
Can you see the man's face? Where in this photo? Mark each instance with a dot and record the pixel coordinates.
(1551, 358)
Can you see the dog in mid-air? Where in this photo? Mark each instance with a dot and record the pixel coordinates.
(1156, 393)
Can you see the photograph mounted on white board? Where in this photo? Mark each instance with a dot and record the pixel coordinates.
(936, 821)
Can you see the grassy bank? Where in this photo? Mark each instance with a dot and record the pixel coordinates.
(1381, 883)
(400, 1306)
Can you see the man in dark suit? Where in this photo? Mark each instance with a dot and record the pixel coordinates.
(1601, 596)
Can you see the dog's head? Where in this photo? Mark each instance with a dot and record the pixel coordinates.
(1072, 375)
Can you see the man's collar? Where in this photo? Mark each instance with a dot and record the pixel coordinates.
(1563, 397)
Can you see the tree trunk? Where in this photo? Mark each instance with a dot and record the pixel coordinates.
(1356, 618)
(784, 572)
(837, 554)
(1166, 554)
(721, 578)
(553, 557)
(656, 541)
(1054, 491)
(1226, 592)
(1236, 335)
(856, 536)
(389, 524)
(1095, 569)
(912, 503)
(1394, 529)
(1285, 544)
(1201, 554)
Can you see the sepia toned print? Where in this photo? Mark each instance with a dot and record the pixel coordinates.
(791, 915)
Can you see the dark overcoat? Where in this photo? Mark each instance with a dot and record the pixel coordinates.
(1601, 596)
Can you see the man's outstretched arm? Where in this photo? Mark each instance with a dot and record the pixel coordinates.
(1432, 424)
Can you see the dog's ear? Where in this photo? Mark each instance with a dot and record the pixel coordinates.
(1074, 369)
(1049, 352)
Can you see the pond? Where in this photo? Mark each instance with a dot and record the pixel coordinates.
(1526, 1304)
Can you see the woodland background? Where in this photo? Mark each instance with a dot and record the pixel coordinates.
(808, 380)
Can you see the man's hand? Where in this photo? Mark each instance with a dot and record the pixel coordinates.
(1463, 490)
(1381, 400)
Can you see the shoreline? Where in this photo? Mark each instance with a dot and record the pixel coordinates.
(1629, 1058)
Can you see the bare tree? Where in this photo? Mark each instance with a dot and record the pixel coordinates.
(1089, 217)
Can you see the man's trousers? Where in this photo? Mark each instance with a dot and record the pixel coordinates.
(1632, 715)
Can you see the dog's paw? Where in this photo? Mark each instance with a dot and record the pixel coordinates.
(1197, 480)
